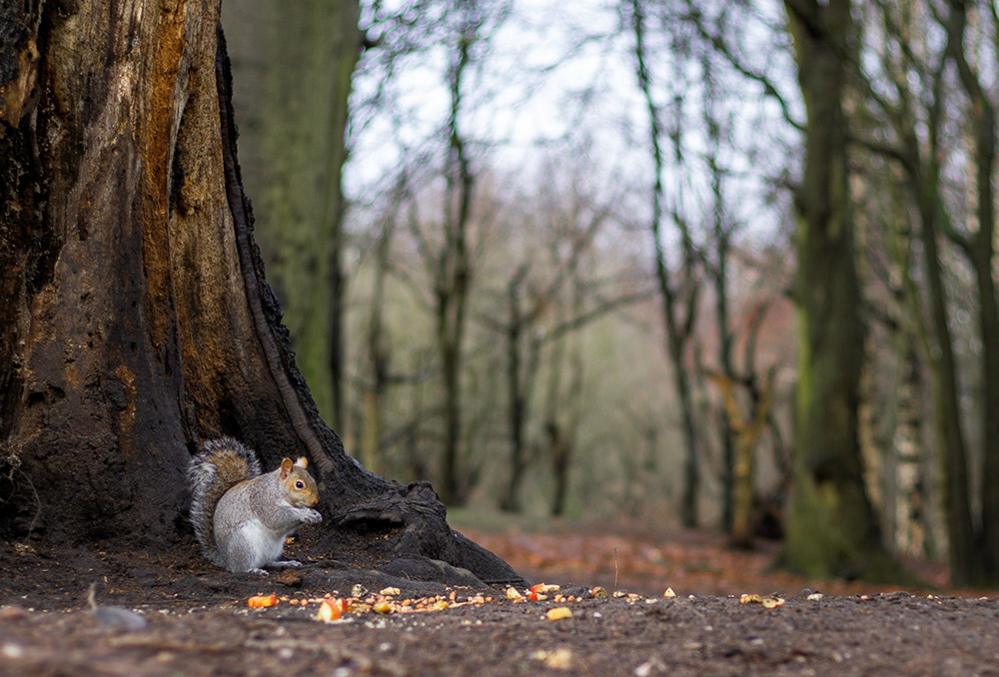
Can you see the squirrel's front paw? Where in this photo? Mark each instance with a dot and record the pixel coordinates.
(312, 517)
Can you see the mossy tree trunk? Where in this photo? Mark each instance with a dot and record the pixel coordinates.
(293, 64)
(135, 320)
(832, 530)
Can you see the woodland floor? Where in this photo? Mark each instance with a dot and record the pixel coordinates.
(199, 623)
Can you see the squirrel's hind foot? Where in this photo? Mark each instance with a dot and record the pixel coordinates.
(258, 571)
(285, 563)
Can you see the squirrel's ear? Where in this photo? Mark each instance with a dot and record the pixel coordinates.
(285, 467)
(302, 462)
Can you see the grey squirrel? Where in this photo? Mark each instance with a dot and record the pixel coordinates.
(242, 517)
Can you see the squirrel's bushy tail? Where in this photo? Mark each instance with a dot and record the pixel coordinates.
(222, 464)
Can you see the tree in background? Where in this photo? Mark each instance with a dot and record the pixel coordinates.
(832, 530)
(446, 247)
(679, 292)
(294, 63)
(534, 300)
(376, 336)
(717, 266)
(702, 262)
(912, 119)
(451, 264)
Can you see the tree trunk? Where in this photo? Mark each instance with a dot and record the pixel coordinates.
(138, 321)
(979, 249)
(293, 65)
(378, 352)
(911, 529)
(560, 450)
(691, 462)
(725, 362)
(678, 322)
(946, 388)
(718, 272)
(516, 396)
(452, 487)
(923, 171)
(453, 273)
(831, 527)
(743, 472)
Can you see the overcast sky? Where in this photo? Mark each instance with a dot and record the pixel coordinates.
(559, 77)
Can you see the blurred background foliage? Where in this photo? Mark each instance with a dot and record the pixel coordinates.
(724, 265)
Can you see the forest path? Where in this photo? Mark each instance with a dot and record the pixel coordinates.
(198, 622)
(648, 559)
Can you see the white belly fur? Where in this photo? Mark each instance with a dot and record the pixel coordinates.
(266, 544)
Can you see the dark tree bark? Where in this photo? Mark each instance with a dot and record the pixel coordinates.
(135, 320)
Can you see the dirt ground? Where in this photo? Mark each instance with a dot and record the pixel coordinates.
(198, 623)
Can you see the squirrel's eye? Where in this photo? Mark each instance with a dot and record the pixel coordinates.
(299, 484)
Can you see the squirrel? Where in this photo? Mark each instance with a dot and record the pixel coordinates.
(242, 517)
